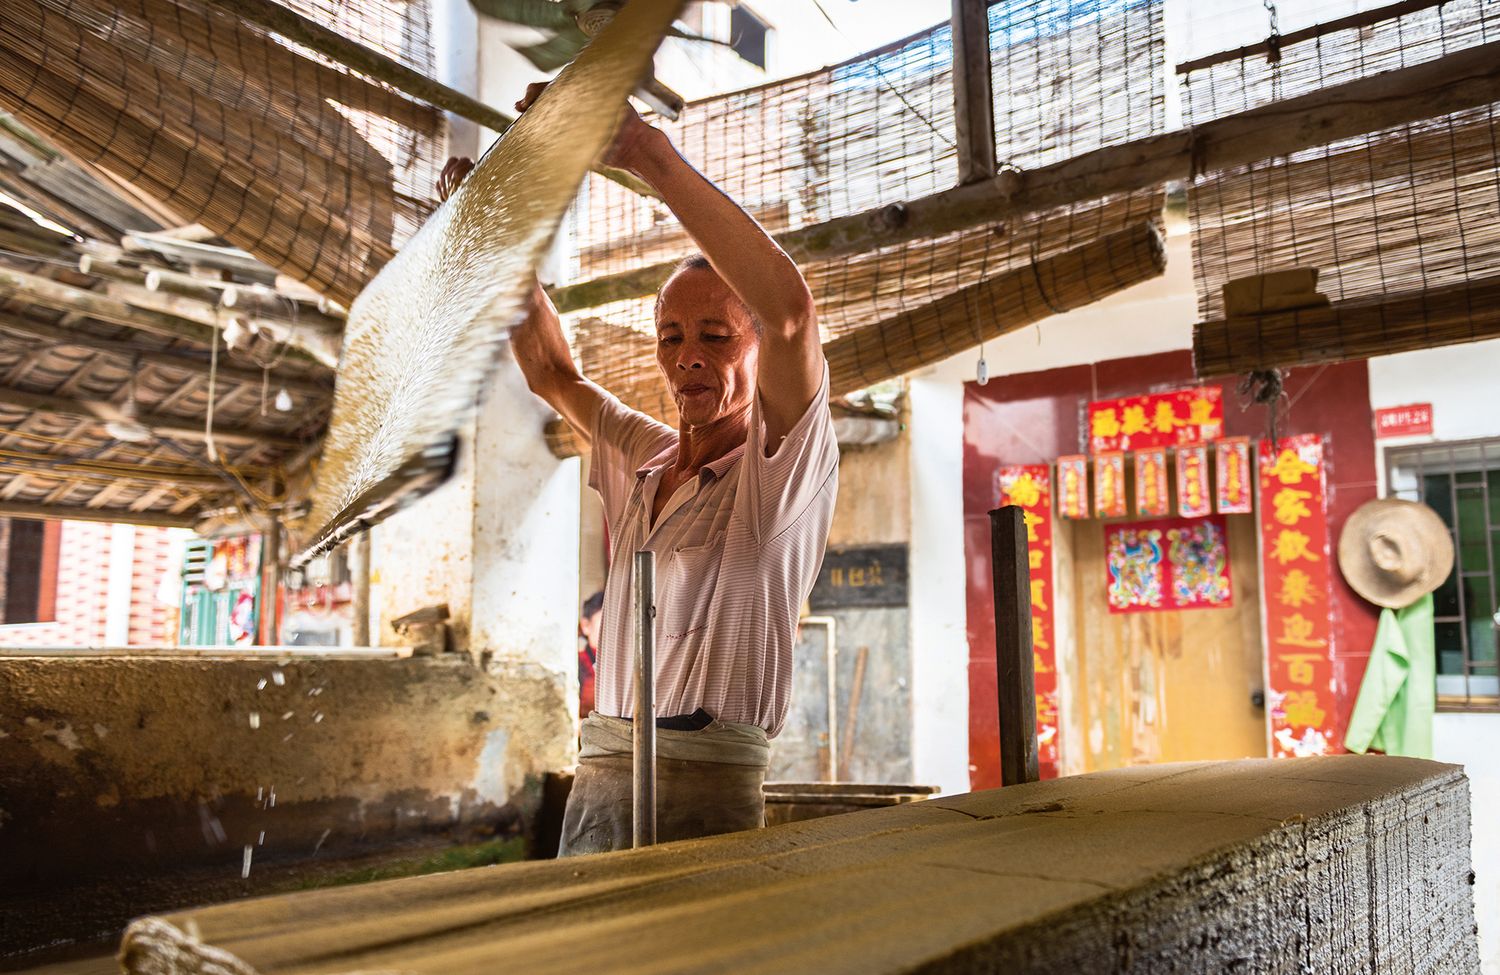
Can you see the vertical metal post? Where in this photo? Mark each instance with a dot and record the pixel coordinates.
(973, 107)
(643, 819)
(1013, 652)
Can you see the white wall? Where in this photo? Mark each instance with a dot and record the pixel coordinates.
(1460, 381)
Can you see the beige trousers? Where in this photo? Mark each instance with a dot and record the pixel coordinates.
(707, 782)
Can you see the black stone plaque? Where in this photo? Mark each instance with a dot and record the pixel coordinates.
(864, 575)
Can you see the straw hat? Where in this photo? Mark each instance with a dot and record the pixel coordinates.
(1393, 552)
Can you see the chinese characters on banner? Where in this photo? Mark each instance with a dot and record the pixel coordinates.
(1193, 500)
(1073, 486)
(1156, 420)
(1029, 487)
(1152, 498)
(1234, 496)
(1299, 631)
(1109, 485)
(1170, 564)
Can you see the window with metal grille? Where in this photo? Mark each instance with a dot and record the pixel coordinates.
(1461, 482)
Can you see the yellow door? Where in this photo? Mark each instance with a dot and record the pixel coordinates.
(1169, 686)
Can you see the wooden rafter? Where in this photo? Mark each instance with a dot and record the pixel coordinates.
(156, 519)
(101, 411)
(127, 352)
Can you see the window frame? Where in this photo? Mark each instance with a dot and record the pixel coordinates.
(1416, 459)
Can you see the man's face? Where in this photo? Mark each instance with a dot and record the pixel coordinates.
(707, 347)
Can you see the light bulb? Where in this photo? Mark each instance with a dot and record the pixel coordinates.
(283, 401)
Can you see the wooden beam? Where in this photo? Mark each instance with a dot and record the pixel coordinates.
(60, 466)
(1344, 330)
(68, 512)
(1002, 303)
(167, 359)
(1450, 84)
(973, 106)
(49, 293)
(103, 412)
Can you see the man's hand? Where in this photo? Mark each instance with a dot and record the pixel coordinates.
(453, 173)
(633, 137)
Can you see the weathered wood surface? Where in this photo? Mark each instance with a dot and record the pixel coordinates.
(1344, 864)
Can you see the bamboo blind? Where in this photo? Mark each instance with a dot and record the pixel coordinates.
(1386, 217)
(319, 172)
(878, 130)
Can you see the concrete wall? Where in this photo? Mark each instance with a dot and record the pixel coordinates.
(134, 783)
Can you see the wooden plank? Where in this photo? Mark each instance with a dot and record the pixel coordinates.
(64, 512)
(1011, 574)
(973, 107)
(1456, 82)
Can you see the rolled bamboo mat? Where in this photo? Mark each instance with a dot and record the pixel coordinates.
(999, 304)
(1349, 329)
(420, 337)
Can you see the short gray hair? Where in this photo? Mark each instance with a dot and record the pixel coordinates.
(698, 262)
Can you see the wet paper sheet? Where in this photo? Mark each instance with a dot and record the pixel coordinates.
(420, 337)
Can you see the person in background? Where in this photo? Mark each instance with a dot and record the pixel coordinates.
(588, 654)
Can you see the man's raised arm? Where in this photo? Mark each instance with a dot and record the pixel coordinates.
(749, 261)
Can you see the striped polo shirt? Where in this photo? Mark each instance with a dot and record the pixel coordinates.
(737, 551)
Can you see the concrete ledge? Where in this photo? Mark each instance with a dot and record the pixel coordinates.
(136, 779)
(1348, 864)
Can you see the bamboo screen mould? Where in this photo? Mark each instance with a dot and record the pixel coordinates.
(419, 339)
(1402, 224)
(319, 172)
(879, 130)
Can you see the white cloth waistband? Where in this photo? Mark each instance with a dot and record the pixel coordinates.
(721, 741)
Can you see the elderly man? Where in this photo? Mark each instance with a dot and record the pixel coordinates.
(736, 504)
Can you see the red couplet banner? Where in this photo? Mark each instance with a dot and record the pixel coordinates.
(1157, 420)
(1030, 488)
(1297, 579)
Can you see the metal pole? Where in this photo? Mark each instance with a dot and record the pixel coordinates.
(643, 821)
(1013, 651)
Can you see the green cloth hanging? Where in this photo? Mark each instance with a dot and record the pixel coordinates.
(1393, 713)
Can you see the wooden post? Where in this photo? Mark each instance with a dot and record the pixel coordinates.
(359, 568)
(1013, 654)
(973, 107)
(270, 582)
